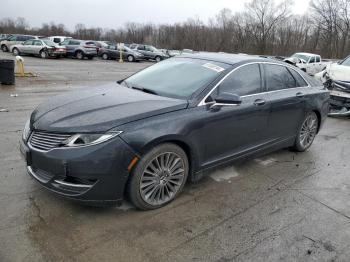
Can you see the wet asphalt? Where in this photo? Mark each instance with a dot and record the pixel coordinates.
(284, 206)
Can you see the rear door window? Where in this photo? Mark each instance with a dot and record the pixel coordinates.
(312, 60)
(28, 42)
(318, 59)
(244, 81)
(74, 42)
(278, 77)
(37, 43)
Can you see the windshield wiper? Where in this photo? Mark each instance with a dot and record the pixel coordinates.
(146, 90)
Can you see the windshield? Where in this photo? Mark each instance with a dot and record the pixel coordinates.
(346, 62)
(176, 77)
(49, 43)
(300, 56)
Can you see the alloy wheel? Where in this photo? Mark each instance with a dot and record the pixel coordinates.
(162, 178)
(308, 130)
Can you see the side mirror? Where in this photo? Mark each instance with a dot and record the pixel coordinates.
(228, 98)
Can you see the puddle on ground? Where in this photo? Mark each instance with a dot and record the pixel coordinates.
(224, 174)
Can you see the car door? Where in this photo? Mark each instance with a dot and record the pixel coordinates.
(287, 94)
(26, 46)
(319, 66)
(142, 50)
(36, 47)
(234, 130)
(312, 66)
(70, 46)
(150, 53)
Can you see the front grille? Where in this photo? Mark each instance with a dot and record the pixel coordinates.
(46, 140)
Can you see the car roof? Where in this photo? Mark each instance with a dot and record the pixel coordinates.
(226, 58)
(308, 54)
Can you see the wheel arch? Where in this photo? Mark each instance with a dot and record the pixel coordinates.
(180, 142)
(319, 118)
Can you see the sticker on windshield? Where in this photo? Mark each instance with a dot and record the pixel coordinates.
(213, 67)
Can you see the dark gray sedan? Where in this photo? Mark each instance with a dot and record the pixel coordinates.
(112, 52)
(145, 137)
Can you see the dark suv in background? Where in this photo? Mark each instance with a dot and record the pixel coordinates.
(150, 52)
(80, 48)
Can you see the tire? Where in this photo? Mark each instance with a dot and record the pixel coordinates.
(131, 58)
(16, 52)
(79, 55)
(158, 59)
(158, 177)
(306, 132)
(43, 54)
(105, 56)
(4, 48)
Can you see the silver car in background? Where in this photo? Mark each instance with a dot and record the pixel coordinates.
(40, 47)
(80, 48)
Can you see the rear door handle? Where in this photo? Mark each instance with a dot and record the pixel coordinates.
(300, 94)
(259, 102)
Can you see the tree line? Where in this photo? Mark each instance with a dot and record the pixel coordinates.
(263, 27)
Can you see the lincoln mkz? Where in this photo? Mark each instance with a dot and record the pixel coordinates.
(144, 137)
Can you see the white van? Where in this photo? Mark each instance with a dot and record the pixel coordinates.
(59, 39)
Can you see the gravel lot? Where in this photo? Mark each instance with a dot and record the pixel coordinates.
(283, 206)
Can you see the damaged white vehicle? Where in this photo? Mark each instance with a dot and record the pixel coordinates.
(336, 77)
(309, 63)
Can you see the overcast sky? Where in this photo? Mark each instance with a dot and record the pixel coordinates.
(115, 13)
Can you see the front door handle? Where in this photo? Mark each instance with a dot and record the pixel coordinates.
(299, 94)
(259, 102)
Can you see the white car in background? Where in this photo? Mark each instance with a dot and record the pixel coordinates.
(336, 77)
(58, 39)
(310, 63)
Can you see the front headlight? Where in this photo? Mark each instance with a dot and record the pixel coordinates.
(26, 131)
(89, 139)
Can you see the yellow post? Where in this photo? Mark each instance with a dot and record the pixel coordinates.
(120, 46)
(20, 66)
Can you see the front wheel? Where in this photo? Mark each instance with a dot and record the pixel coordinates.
(307, 132)
(158, 177)
(79, 55)
(105, 56)
(131, 58)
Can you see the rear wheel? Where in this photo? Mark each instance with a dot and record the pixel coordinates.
(43, 54)
(158, 58)
(4, 48)
(307, 132)
(105, 56)
(158, 177)
(79, 55)
(16, 52)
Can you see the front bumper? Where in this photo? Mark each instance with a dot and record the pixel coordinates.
(94, 174)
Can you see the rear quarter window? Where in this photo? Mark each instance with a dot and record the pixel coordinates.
(300, 81)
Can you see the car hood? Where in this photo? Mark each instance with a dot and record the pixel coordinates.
(338, 72)
(100, 109)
